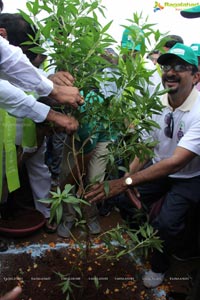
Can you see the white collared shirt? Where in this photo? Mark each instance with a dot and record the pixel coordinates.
(17, 69)
(186, 133)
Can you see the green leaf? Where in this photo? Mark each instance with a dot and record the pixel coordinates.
(71, 199)
(96, 282)
(59, 213)
(106, 187)
(106, 27)
(68, 188)
(46, 30)
(78, 210)
(26, 17)
(53, 211)
(35, 7)
(47, 201)
(38, 50)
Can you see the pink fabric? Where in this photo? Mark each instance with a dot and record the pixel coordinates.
(156, 207)
(198, 86)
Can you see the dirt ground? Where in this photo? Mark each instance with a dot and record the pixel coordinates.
(35, 262)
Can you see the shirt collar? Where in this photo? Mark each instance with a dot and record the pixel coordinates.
(187, 104)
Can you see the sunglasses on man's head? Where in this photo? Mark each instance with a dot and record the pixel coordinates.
(169, 121)
(176, 68)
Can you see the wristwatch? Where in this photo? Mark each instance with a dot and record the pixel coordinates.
(128, 181)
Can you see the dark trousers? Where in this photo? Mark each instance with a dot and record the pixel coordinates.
(181, 195)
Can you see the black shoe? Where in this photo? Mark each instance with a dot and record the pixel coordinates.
(187, 258)
(3, 246)
(105, 211)
(176, 296)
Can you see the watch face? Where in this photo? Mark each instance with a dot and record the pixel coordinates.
(128, 180)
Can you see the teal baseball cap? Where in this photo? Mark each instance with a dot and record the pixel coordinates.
(196, 49)
(182, 51)
(127, 38)
(193, 12)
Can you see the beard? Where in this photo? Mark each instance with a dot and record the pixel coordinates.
(172, 91)
(166, 80)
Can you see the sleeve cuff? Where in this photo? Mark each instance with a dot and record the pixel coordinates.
(45, 87)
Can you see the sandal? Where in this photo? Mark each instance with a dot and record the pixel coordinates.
(3, 246)
(50, 227)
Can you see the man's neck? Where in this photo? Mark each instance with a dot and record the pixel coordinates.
(177, 99)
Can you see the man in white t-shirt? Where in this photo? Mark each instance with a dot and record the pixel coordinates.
(174, 171)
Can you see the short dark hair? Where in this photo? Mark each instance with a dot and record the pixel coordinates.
(172, 40)
(1, 5)
(18, 31)
(194, 69)
(155, 51)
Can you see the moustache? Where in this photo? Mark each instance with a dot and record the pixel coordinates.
(171, 78)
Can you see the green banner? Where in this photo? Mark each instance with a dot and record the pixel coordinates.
(29, 138)
(2, 113)
(10, 153)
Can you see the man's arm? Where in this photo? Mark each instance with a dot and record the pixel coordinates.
(19, 104)
(136, 165)
(180, 158)
(69, 123)
(17, 69)
(165, 167)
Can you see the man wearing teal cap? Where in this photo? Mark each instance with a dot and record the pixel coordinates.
(132, 42)
(181, 51)
(132, 38)
(196, 49)
(174, 170)
(190, 13)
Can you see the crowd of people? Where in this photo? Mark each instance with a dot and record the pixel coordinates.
(173, 173)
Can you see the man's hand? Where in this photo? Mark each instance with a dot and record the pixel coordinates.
(97, 191)
(62, 78)
(12, 295)
(67, 95)
(69, 123)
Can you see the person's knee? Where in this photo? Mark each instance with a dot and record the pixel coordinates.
(167, 226)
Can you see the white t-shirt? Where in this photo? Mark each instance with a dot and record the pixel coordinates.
(186, 133)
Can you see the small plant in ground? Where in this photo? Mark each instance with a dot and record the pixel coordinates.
(59, 197)
(136, 242)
